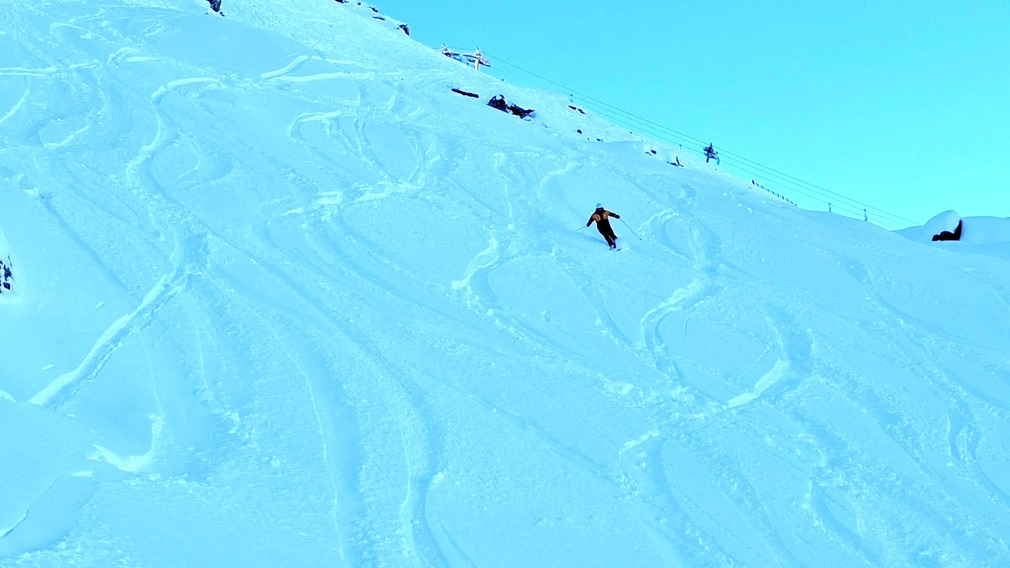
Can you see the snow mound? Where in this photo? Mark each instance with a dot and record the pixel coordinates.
(976, 230)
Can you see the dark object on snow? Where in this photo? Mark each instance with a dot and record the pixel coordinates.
(948, 236)
(711, 154)
(405, 28)
(464, 93)
(498, 102)
(676, 163)
(573, 107)
(215, 5)
(601, 216)
(5, 276)
(379, 18)
(341, 1)
(374, 9)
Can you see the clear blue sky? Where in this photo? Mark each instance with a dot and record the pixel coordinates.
(902, 105)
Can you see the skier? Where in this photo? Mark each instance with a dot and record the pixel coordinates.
(601, 216)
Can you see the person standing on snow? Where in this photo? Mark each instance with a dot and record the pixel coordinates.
(601, 217)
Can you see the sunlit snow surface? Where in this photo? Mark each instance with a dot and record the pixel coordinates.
(284, 299)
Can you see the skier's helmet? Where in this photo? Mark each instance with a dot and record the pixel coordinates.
(599, 206)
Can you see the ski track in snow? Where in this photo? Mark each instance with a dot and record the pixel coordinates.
(114, 336)
(774, 375)
(135, 464)
(23, 72)
(17, 106)
(963, 431)
(328, 431)
(107, 344)
(420, 446)
(484, 260)
(693, 293)
(415, 442)
(646, 482)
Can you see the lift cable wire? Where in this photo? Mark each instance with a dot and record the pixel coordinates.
(835, 200)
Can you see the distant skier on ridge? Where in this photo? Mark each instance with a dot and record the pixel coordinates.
(601, 216)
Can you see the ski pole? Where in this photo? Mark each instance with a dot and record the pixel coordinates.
(630, 229)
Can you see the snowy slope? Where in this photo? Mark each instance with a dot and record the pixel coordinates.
(284, 299)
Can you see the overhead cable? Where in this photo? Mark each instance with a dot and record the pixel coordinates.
(834, 200)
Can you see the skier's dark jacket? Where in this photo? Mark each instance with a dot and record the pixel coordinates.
(602, 224)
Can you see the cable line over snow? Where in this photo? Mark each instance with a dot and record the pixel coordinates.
(835, 201)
